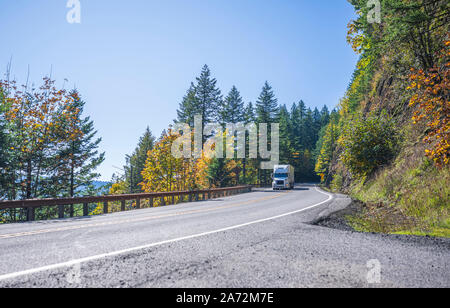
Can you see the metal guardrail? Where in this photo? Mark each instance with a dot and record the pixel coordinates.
(196, 195)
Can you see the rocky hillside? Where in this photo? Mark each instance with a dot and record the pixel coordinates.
(389, 147)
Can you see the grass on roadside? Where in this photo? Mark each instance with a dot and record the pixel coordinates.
(409, 197)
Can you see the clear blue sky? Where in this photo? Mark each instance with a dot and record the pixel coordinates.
(134, 60)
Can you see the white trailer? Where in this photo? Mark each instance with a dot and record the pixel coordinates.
(283, 177)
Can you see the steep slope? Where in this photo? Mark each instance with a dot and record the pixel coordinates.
(389, 146)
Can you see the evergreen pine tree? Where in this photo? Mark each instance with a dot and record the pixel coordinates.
(218, 174)
(202, 98)
(285, 135)
(249, 114)
(232, 109)
(248, 118)
(267, 111)
(80, 155)
(326, 146)
(309, 131)
(208, 96)
(324, 116)
(188, 107)
(135, 163)
(317, 120)
(267, 105)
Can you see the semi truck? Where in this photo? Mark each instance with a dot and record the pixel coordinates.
(283, 177)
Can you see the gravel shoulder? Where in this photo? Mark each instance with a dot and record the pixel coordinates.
(335, 217)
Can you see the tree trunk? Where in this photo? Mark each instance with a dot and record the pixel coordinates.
(29, 179)
(72, 189)
(244, 169)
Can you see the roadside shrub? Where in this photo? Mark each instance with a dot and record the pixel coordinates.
(336, 183)
(369, 143)
(431, 103)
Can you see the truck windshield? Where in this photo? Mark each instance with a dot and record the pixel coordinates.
(281, 175)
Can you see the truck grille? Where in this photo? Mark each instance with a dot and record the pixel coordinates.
(280, 182)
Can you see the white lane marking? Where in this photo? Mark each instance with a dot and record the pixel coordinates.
(124, 251)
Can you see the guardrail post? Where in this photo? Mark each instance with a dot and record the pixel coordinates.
(173, 199)
(105, 207)
(163, 202)
(151, 202)
(122, 205)
(85, 209)
(138, 203)
(60, 211)
(190, 197)
(30, 214)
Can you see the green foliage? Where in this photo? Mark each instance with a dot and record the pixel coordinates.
(4, 143)
(218, 174)
(417, 26)
(135, 163)
(51, 148)
(337, 182)
(203, 98)
(299, 133)
(80, 156)
(299, 129)
(232, 109)
(285, 134)
(369, 143)
(47, 147)
(189, 107)
(413, 190)
(413, 29)
(208, 95)
(326, 145)
(267, 105)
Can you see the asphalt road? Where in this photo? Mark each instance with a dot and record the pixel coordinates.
(259, 239)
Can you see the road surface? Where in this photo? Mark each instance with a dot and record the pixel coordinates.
(258, 239)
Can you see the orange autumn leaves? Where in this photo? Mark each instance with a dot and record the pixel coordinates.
(42, 117)
(433, 107)
(163, 172)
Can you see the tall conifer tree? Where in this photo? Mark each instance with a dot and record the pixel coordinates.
(267, 105)
(232, 109)
(79, 155)
(136, 162)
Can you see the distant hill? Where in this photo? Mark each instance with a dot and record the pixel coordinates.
(99, 184)
(100, 188)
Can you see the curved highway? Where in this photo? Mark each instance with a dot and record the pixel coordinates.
(258, 239)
